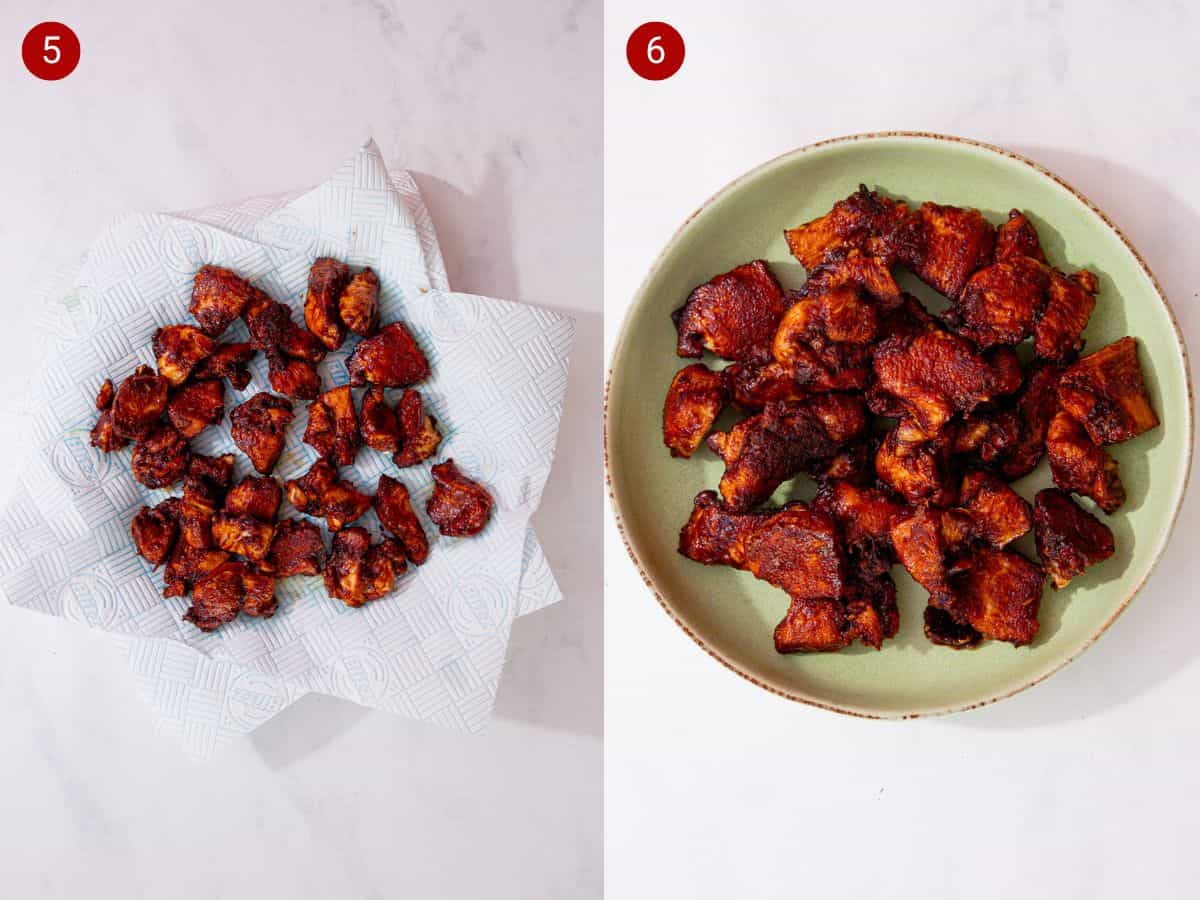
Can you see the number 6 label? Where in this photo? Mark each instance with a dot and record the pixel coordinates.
(655, 51)
(50, 51)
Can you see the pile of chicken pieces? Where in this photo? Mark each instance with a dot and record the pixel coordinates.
(912, 424)
(223, 541)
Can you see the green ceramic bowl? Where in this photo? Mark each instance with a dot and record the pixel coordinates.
(731, 614)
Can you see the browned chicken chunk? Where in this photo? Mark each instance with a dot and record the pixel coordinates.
(104, 397)
(419, 435)
(1069, 538)
(996, 592)
(179, 349)
(258, 497)
(260, 601)
(1078, 465)
(104, 436)
(1036, 405)
(860, 222)
(345, 578)
(154, 530)
(824, 625)
(188, 565)
(217, 469)
(197, 405)
(295, 378)
(227, 361)
(217, 597)
(391, 358)
(694, 400)
(396, 515)
(326, 281)
(865, 517)
(999, 515)
(920, 471)
(258, 429)
(358, 306)
(306, 492)
(1105, 392)
(734, 316)
(1001, 303)
(377, 422)
(160, 459)
(385, 561)
(753, 387)
(333, 426)
(943, 245)
(1058, 334)
(1017, 237)
(199, 503)
(988, 435)
(138, 404)
(459, 507)
(242, 534)
(942, 629)
(296, 549)
(218, 297)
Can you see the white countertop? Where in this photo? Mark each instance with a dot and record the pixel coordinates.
(1085, 786)
(174, 109)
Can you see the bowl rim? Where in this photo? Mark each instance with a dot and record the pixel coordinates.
(622, 334)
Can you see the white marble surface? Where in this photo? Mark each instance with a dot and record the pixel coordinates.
(1082, 787)
(497, 111)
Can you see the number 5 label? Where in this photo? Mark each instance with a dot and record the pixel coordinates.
(50, 51)
(655, 51)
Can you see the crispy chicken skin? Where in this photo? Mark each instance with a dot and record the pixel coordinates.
(326, 280)
(197, 405)
(258, 497)
(943, 245)
(258, 427)
(865, 516)
(459, 507)
(1001, 303)
(761, 452)
(941, 629)
(1069, 538)
(160, 459)
(1058, 334)
(391, 358)
(218, 297)
(259, 600)
(396, 515)
(154, 530)
(996, 592)
(227, 361)
(860, 222)
(377, 422)
(1017, 237)
(333, 426)
(187, 565)
(358, 306)
(344, 574)
(217, 597)
(138, 404)
(734, 316)
(178, 349)
(242, 534)
(419, 435)
(920, 471)
(1106, 394)
(694, 400)
(1078, 465)
(936, 373)
(296, 549)
(306, 492)
(999, 515)
(295, 378)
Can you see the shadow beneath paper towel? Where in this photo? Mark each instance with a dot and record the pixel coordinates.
(309, 724)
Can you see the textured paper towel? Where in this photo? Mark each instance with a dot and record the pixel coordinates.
(434, 650)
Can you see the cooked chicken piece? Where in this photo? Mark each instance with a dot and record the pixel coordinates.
(104, 398)
(154, 530)
(188, 565)
(333, 426)
(358, 305)
(908, 319)
(179, 349)
(326, 281)
(989, 435)
(1036, 405)
(217, 469)
(763, 451)
(734, 316)
(996, 592)
(377, 422)
(999, 515)
(341, 504)
(265, 320)
(920, 471)
(714, 535)
(138, 404)
(860, 222)
(1069, 538)
(345, 578)
(854, 463)
(295, 378)
(298, 343)
(242, 534)
(160, 459)
(694, 400)
(1078, 465)
(1001, 303)
(1018, 238)
(217, 597)
(1059, 330)
(104, 436)
(936, 374)
(824, 339)
(459, 507)
(922, 542)
(258, 497)
(260, 599)
(197, 405)
(868, 614)
(296, 549)
(227, 361)
(1106, 394)
(306, 492)
(391, 358)
(385, 561)
(941, 629)
(258, 428)
(943, 245)
(218, 297)
(797, 549)
(870, 273)
(397, 517)
(419, 435)
(871, 599)
(753, 387)
(199, 503)
(865, 516)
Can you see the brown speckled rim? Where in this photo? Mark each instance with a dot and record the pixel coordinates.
(790, 693)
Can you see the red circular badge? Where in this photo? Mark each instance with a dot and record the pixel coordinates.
(655, 51)
(50, 51)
